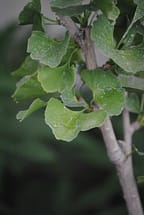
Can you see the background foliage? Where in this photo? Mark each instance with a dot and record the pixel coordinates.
(38, 175)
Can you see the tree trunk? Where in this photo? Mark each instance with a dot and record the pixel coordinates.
(127, 181)
(123, 164)
(119, 155)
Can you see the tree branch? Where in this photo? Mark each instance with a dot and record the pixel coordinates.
(72, 28)
(129, 129)
(114, 150)
(82, 37)
(122, 162)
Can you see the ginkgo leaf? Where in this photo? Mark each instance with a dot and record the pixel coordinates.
(36, 105)
(56, 79)
(28, 87)
(63, 122)
(133, 103)
(112, 100)
(108, 7)
(66, 124)
(106, 89)
(48, 51)
(28, 67)
(102, 34)
(131, 81)
(130, 59)
(73, 8)
(92, 119)
(31, 14)
(139, 11)
(138, 15)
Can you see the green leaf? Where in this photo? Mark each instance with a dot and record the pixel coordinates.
(134, 36)
(112, 100)
(28, 67)
(102, 34)
(113, 13)
(131, 81)
(66, 124)
(56, 79)
(106, 89)
(92, 120)
(131, 60)
(36, 105)
(137, 16)
(133, 103)
(31, 14)
(100, 79)
(48, 51)
(139, 13)
(64, 3)
(108, 7)
(73, 8)
(63, 122)
(28, 87)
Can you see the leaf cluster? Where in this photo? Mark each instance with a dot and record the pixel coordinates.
(55, 73)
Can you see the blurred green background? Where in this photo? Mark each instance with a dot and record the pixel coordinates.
(41, 176)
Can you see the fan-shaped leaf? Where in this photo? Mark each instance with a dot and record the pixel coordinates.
(56, 79)
(48, 51)
(66, 124)
(31, 14)
(131, 81)
(28, 67)
(28, 87)
(131, 60)
(133, 103)
(106, 89)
